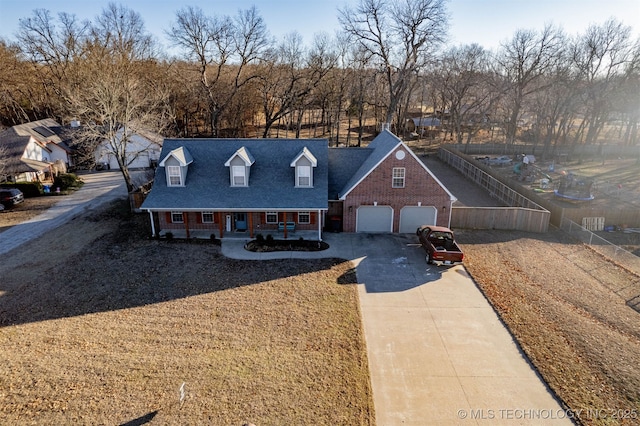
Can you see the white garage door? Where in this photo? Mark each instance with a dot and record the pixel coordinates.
(374, 219)
(413, 216)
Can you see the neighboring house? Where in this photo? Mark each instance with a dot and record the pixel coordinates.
(34, 151)
(142, 151)
(252, 186)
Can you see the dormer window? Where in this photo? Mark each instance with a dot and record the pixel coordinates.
(175, 177)
(304, 175)
(304, 163)
(239, 166)
(238, 178)
(176, 165)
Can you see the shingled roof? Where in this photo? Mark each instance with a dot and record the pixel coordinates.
(271, 183)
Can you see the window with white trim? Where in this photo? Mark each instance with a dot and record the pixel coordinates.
(304, 176)
(207, 217)
(238, 177)
(398, 177)
(176, 217)
(175, 177)
(304, 217)
(272, 217)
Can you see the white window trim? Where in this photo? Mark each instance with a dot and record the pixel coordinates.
(308, 214)
(177, 221)
(207, 221)
(299, 176)
(171, 174)
(271, 213)
(396, 178)
(234, 175)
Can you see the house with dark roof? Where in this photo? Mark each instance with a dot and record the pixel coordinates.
(223, 187)
(34, 151)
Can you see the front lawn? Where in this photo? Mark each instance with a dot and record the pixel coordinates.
(101, 325)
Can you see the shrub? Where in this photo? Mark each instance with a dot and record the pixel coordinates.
(67, 180)
(269, 240)
(169, 235)
(260, 238)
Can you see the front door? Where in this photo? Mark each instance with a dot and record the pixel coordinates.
(241, 221)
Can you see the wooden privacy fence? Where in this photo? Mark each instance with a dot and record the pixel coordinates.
(515, 195)
(506, 218)
(523, 214)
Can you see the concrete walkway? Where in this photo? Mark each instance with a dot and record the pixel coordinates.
(438, 353)
(99, 188)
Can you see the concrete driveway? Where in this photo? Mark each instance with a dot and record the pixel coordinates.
(437, 350)
(438, 353)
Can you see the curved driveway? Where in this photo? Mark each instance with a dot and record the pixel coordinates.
(438, 353)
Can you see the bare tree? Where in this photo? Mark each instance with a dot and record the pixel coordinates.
(524, 60)
(462, 79)
(16, 102)
(603, 56)
(401, 36)
(122, 95)
(224, 49)
(55, 50)
(290, 76)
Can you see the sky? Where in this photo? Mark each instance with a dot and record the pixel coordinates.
(485, 22)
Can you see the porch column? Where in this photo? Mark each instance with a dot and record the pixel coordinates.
(285, 225)
(319, 220)
(185, 216)
(220, 224)
(250, 214)
(153, 225)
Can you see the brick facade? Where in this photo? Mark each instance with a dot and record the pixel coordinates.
(420, 187)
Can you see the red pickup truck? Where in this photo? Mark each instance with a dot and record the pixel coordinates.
(440, 244)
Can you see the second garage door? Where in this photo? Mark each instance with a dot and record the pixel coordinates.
(374, 219)
(411, 217)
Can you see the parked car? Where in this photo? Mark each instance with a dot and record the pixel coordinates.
(440, 244)
(9, 197)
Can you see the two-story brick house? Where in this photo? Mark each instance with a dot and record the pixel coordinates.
(223, 186)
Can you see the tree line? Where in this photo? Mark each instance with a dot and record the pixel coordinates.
(389, 61)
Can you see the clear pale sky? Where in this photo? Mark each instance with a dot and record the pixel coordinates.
(486, 22)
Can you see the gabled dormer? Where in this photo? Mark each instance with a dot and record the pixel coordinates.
(176, 165)
(304, 164)
(239, 167)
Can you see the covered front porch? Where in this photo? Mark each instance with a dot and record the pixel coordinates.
(239, 235)
(238, 224)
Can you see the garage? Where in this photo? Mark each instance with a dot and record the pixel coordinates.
(374, 219)
(411, 217)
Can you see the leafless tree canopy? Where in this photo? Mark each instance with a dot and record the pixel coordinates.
(388, 63)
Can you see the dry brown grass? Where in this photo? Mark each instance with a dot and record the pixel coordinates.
(569, 308)
(30, 208)
(108, 332)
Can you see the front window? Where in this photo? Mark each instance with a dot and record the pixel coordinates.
(304, 217)
(398, 177)
(176, 217)
(175, 177)
(304, 175)
(207, 217)
(238, 178)
(272, 217)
